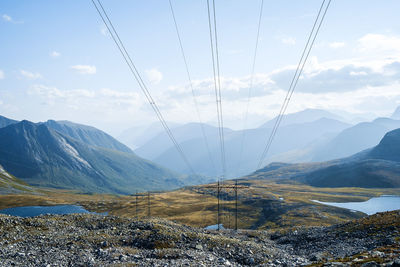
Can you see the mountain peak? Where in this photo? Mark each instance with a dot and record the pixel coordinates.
(40, 155)
(4, 122)
(396, 114)
(87, 134)
(388, 148)
(307, 115)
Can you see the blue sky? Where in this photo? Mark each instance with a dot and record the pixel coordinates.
(58, 62)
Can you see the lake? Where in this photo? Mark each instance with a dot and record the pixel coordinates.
(371, 206)
(214, 227)
(32, 211)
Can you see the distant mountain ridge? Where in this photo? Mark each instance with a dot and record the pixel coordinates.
(293, 136)
(377, 167)
(307, 115)
(42, 156)
(87, 134)
(6, 121)
(161, 142)
(388, 148)
(354, 139)
(135, 137)
(396, 114)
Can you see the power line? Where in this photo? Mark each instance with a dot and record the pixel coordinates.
(120, 45)
(191, 86)
(295, 79)
(251, 86)
(220, 209)
(212, 24)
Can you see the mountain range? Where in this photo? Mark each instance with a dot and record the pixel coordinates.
(354, 139)
(137, 136)
(307, 115)
(73, 156)
(63, 154)
(377, 167)
(160, 149)
(87, 134)
(311, 135)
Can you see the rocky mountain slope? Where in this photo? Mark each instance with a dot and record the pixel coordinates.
(84, 133)
(42, 156)
(6, 121)
(87, 134)
(93, 240)
(11, 185)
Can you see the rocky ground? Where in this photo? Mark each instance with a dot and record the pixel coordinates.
(94, 240)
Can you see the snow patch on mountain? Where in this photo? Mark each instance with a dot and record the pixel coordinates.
(72, 152)
(3, 172)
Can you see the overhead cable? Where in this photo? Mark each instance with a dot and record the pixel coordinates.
(196, 105)
(121, 47)
(306, 52)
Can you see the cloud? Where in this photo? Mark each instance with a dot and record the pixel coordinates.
(2, 75)
(360, 73)
(105, 99)
(347, 85)
(52, 93)
(154, 76)
(54, 54)
(8, 18)
(337, 45)
(379, 43)
(365, 83)
(30, 75)
(288, 40)
(348, 77)
(84, 69)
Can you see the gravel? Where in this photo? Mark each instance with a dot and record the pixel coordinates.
(94, 240)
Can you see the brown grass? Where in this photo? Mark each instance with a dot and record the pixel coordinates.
(197, 206)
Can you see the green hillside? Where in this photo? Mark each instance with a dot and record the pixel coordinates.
(44, 157)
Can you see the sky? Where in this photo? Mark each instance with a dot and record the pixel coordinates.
(57, 60)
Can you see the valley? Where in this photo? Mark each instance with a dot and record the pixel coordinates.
(277, 196)
(263, 205)
(199, 133)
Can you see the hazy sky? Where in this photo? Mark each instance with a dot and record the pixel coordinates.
(57, 61)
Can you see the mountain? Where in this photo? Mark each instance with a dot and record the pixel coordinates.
(354, 139)
(6, 121)
(388, 148)
(87, 134)
(362, 173)
(11, 185)
(396, 114)
(307, 115)
(288, 138)
(377, 167)
(40, 155)
(135, 137)
(191, 131)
